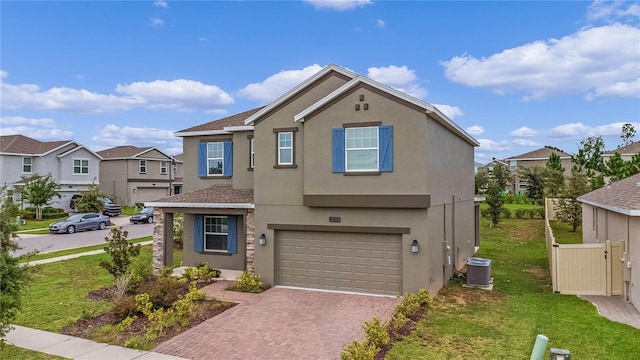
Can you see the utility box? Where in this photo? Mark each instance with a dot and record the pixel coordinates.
(478, 272)
(560, 354)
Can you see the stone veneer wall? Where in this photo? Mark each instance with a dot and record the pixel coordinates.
(251, 245)
(158, 240)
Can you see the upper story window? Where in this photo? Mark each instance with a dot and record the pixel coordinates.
(513, 164)
(285, 147)
(163, 168)
(27, 164)
(142, 168)
(80, 166)
(252, 153)
(215, 158)
(362, 148)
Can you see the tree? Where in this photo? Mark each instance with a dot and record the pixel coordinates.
(38, 191)
(628, 133)
(13, 276)
(481, 181)
(554, 162)
(535, 177)
(121, 252)
(90, 200)
(589, 159)
(633, 165)
(495, 201)
(501, 177)
(616, 168)
(554, 179)
(569, 210)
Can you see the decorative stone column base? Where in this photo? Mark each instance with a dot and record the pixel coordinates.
(158, 240)
(251, 235)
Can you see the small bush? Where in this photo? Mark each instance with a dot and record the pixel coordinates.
(376, 333)
(162, 291)
(359, 351)
(202, 272)
(539, 212)
(121, 286)
(397, 322)
(484, 213)
(248, 282)
(505, 213)
(520, 213)
(124, 308)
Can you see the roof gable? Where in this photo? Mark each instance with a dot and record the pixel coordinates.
(301, 87)
(540, 154)
(127, 152)
(20, 144)
(621, 196)
(429, 109)
(218, 126)
(633, 148)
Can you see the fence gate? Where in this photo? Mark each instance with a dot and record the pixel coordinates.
(587, 269)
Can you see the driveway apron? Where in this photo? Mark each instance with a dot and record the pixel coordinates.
(280, 323)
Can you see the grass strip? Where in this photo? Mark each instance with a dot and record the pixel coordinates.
(54, 254)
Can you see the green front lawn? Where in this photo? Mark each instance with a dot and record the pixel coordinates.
(39, 224)
(16, 353)
(55, 254)
(465, 323)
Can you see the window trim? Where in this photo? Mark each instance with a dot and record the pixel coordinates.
(215, 158)
(163, 167)
(278, 164)
(346, 150)
(142, 164)
(252, 152)
(205, 233)
(513, 165)
(30, 164)
(80, 166)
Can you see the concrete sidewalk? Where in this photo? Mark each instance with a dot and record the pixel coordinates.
(77, 348)
(73, 256)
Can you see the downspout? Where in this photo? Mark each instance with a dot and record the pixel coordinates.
(453, 232)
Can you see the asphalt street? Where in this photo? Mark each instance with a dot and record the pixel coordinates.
(55, 242)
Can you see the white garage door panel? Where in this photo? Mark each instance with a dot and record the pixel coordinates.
(369, 263)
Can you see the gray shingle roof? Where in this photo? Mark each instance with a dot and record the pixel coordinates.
(233, 120)
(121, 151)
(542, 153)
(621, 196)
(632, 148)
(217, 194)
(20, 144)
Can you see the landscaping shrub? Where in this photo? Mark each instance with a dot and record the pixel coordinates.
(248, 282)
(124, 308)
(178, 230)
(162, 290)
(539, 212)
(376, 333)
(358, 350)
(520, 213)
(505, 213)
(202, 272)
(121, 252)
(484, 212)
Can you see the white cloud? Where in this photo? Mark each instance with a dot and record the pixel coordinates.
(475, 130)
(526, 142)
(400, 78)
(493, 146)
(524, 131)
(176, 95)
(450, 111)
(602, 61)
(278, 84)
(42, 129)
(380, 23)
(161, 3)
(156, 22)
(612, 10)
(339, 5)
(3, 74)
(112, 135)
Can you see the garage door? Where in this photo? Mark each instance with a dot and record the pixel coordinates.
(367, 263)
(150, 194)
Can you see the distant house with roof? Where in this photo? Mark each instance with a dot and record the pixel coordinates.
(612, 213)
(73, 166)
(130, 174)
(531, 159)
(626, 152)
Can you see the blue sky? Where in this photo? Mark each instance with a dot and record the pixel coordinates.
(515, 75)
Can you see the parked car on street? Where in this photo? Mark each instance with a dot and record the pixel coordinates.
(80, 222)
(144, 216)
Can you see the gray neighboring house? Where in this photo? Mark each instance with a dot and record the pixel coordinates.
(130, 174)
(531, 159)
(613, 213)
(73, 166)
(626, 152)
(340, 184)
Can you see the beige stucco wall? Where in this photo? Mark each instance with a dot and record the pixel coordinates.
(190, 166)
(588, 232)
(633, 249)
(242, 176)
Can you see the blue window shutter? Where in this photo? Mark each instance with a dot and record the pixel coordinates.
(228, 158)
(386, 148)
(202, 159)
(198, 234)
(232, 235)
(337, 153)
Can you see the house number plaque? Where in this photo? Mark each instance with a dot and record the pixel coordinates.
(335, 219)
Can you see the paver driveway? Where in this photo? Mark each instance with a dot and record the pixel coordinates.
(279, 324)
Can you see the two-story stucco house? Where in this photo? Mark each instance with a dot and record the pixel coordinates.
(72, 166)
(130, 174)
(539, 158)
(340, 184)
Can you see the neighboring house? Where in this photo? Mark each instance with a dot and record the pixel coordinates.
(340, 184)
(626, 152)
(613, 213)
(177, 174)
(476, 167)
(531, 159)
(490, 166)
(73, 166)
(130, 175)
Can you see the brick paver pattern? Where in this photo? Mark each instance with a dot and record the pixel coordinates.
(280, 323)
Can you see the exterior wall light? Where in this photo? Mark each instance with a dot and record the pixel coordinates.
(414, 246)
(262, 240)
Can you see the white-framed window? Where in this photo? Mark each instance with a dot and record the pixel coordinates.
(252, 153)
(215, 158)
(27, 165)
(163, 168)
(285, 148)
(80, 166)
(361, 147)
(216, 230)
(513, 165)
(142, 166)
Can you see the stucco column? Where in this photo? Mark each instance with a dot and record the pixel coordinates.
(168, 239)
(251, 235)
(158, 240)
